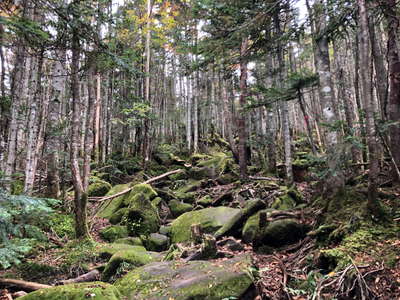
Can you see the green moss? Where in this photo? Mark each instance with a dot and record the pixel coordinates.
(118, 215)
(33, 271)
(133, 241)
(194, 280)
(251, 229)
(92, 290)
(178, 208)
(220, 161)
(17, 187)
(62, 224)
(133, 257)
(108, 250)
(142, 217)
(111, 233)
(140, 189)
(284, 202)
(109, 207)
(210, 219)
(98, 188)
(205, 201)
(157, 242)
(371, 242)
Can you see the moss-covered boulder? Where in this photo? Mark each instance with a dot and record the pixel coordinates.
(98, 188)
(274, 234)
(234, 226)
(133, 241)
(105, 251)
(134, 257)
(290, 199)
(78, 291)
(205, 201)
(141, 189)
(157, 242)
(178, 208)
(227, 279)
(210, 220)
(114, 232)
(118, 215)
(109, 207)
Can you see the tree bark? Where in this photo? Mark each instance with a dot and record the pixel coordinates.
(370, 110)
(390, 10)
(241, 119)
(80, 197)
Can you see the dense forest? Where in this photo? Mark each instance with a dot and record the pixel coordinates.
(199, 149)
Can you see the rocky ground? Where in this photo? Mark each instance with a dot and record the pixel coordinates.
(200, 233)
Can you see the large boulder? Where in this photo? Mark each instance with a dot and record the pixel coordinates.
(106, 251)
(227, 279)
(109, 207)
(112, 233)
(76, 291)
(274, 234)
(209, 219)
(134, 257)
(98, 188)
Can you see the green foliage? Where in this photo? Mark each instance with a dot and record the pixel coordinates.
(62, 224)
(19, 220)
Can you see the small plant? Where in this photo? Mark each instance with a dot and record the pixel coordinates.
(19, 225)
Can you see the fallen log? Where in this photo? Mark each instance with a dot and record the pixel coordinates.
(146, 182)
(93, 275)
(24, 285)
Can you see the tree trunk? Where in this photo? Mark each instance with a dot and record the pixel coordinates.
(335, 178)
(390, 10)
(241, 119)
(80, 197)
(366, 82)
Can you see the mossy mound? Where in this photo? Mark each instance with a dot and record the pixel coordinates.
(274, 234)
(289, 200)
(133, 241)
(140, 189)
(178, 208)
(134, 257)
(106, 251)
(142, 217)
(78, 291)
(98, 188)
(210, 220)
(109, 207)
(368, 244)
(228, 279)
(220, 162)
(157, 242)
(112, 233)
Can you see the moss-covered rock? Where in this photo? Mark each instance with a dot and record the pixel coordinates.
(133, 257)
(142, 217)
(114, 232)
(165, 230)
(157, 242)
(133, 241)
(210, 220)
(289, 199)
(142, 189)
(228, 279)
(107, 250)
(274, 234)
(78, 291)
(109, 207)
(178, 208)
(233, 227)
(220, 163)
(197, 173)
(205, 201)
(98, 188)
(118, 215)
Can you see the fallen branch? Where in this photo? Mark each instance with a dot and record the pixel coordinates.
(24, 285)
(146, 182)
(264, 178)
(93, 275)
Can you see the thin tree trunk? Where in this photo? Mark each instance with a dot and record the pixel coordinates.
(80, 197)
(241, 119)
(394, 80)
(366, 81)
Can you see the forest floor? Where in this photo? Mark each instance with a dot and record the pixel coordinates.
(330, 262)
